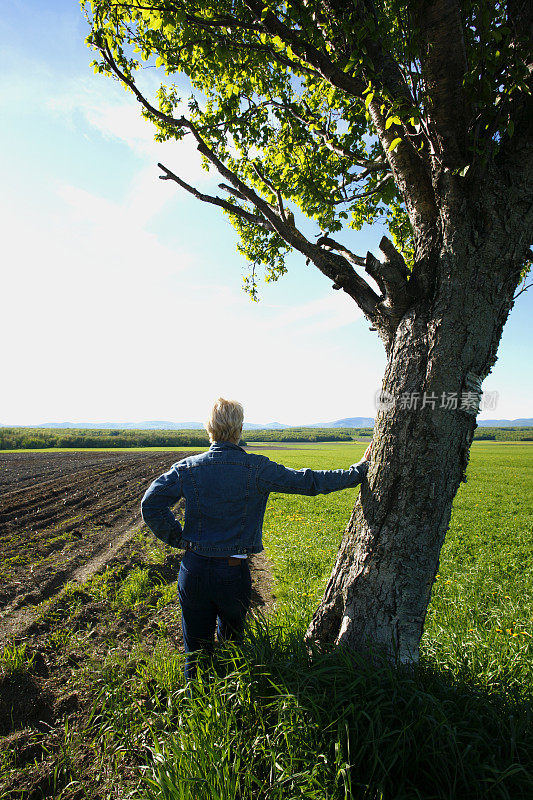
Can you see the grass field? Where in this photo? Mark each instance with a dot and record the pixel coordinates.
(284, 726)
(485, 580)
(275, 722)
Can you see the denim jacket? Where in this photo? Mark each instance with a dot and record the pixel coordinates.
(226, 491)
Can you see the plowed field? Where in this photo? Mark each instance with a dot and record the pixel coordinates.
(60, 510)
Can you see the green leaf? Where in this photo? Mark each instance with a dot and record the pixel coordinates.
(351, 61)
(368, 99)
(392, 121)
(394, 144)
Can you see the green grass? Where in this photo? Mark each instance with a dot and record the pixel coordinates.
(286, 725)
(15, 660)
(481, 613)
(275, 721)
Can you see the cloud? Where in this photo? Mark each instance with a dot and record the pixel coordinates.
(89, 104)
(88, 255)
(117, 116)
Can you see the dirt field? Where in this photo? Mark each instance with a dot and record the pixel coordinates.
(59, 511)
(67, 517)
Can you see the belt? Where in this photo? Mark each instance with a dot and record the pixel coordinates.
(232, 561)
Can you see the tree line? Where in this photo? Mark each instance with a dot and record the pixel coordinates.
(44, 438)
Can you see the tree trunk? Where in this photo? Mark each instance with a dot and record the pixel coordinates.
(380, 587)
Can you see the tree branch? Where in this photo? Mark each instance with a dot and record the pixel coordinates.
(336, 267)
(411, 175)
(333, 266)
(407, 167)
(375, 189)
(331, 244)
(273, 189)
(256, 219)
(391, 277)
(394, 257)
(529, 285)
(306, 51)
(385, 71)
(231, 190)
(130, 83)
(444, 65)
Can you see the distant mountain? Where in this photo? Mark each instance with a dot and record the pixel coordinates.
(163, 425)
(277, 426)
(505, 423)
(348, 422)
(157, 425)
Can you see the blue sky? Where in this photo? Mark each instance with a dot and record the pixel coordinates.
(122, 297)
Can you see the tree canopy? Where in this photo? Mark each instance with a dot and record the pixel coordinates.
(348, 112)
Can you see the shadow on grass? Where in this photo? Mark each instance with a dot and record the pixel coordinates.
(272, 721)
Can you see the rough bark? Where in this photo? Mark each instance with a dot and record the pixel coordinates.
(380, 587)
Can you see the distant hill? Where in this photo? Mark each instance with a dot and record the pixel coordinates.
(152, 425)
(348, 422)
(164, 425)
(270, 426)
(505, 423)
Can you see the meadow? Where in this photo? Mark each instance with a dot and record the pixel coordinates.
(276, 721)
(458, 727)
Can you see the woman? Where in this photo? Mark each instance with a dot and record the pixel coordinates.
(226, 492)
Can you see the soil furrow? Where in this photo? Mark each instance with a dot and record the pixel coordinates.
(59, 523)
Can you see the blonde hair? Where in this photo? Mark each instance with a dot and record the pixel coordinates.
(225, 421)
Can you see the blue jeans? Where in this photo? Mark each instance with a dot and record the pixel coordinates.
(213, 594)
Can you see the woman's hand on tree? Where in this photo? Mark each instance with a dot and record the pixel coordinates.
(368, 452)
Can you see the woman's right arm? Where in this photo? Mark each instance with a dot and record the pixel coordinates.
(155, 508)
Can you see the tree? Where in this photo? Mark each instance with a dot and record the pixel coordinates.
(417, 114)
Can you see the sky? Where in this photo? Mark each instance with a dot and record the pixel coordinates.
(122, 295)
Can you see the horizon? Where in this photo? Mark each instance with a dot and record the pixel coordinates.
(116, 423)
